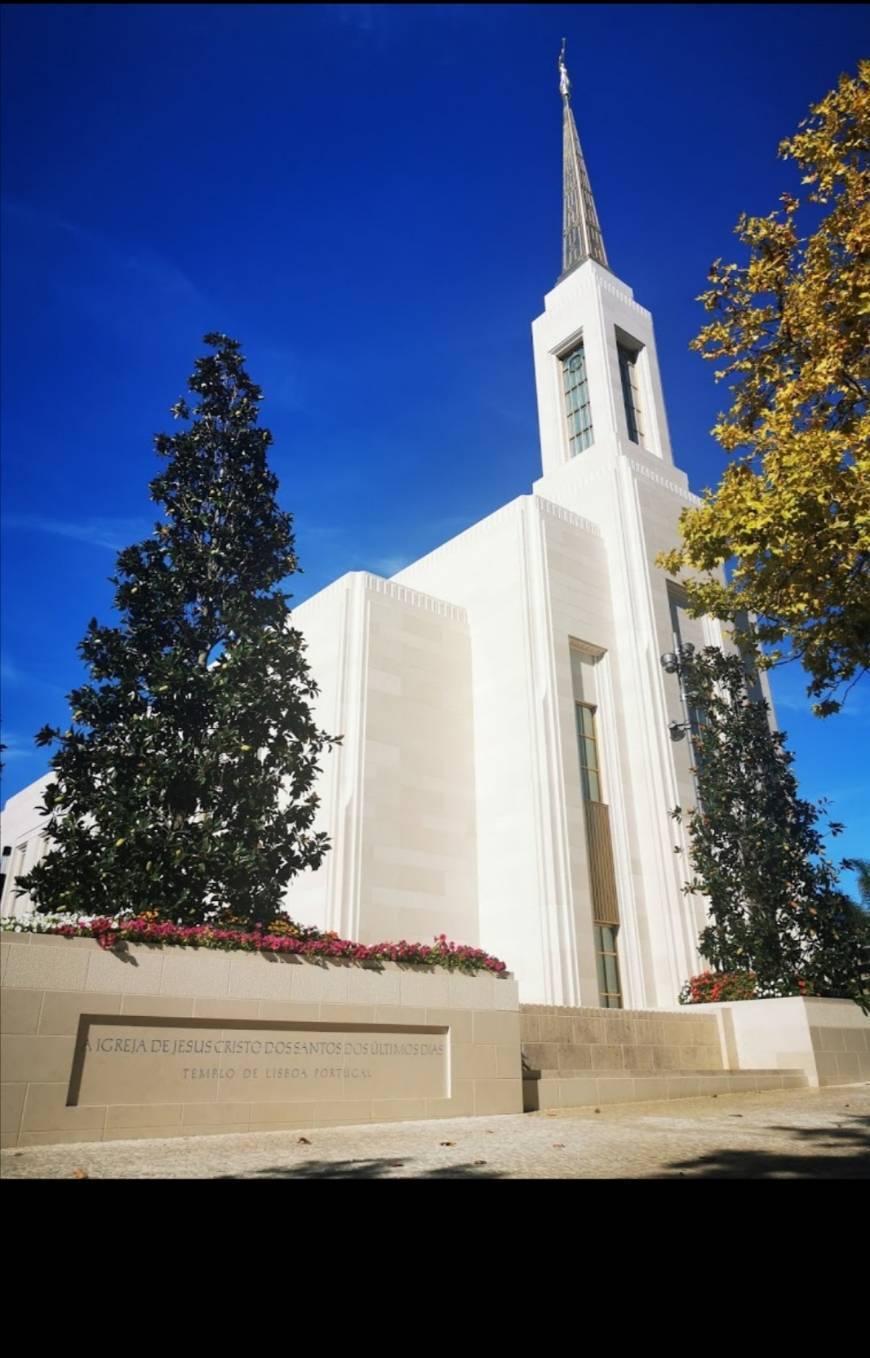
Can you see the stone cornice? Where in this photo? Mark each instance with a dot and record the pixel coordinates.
(623, 297)
(494, 521)
(404, 594)
(482, 528)
(566, 515)
(378, 584)
(660, 480)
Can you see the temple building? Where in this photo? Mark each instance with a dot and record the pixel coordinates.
(509, 761)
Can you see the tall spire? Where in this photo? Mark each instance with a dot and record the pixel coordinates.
(581, 233)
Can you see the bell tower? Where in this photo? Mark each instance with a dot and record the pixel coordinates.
(596, 369)
(606, 456)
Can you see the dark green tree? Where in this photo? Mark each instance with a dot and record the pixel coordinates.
(185, 784)
(757, 848)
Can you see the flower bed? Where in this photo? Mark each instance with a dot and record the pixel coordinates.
(114, 933)
(712, 986)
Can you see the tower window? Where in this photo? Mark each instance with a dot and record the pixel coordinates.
(578, 411)
(590, 773)
(628, 374)
(607, 959)
(602, 875)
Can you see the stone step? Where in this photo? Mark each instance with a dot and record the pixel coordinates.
(680, 1013)
(625, 1061)
(560, 1089)
(641, 1073)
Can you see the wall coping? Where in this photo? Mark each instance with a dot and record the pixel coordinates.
(10, 936)
(40, 961)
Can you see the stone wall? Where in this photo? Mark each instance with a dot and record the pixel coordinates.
(397, 796)
(841, 1042)
(827, 1040)
(555, 1038)
(156, 1042)
(582, 1057)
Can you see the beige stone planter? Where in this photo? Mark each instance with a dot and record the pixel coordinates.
(158, 1042)
(829, 1040)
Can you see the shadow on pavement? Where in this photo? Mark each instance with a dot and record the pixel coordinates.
(363, 1169)
(826, 1161)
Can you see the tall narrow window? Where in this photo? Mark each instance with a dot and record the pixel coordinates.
(590, 774)
(602, 876)
(578, 411)
(609, 991)
(5, 861)
(19, 855)
(683, 628)
(631, 391)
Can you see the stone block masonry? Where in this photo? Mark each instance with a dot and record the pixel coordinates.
(576, 1057)
(154, 1042)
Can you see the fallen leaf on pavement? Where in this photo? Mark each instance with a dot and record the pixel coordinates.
(446, 1143)
(80, 1174)
(558, 1145)
(303, 1141)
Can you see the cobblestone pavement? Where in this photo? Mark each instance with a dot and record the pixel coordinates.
(802, 1134)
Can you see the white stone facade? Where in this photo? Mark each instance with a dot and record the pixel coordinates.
(22, 844)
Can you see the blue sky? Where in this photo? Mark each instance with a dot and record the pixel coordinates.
(368, 197)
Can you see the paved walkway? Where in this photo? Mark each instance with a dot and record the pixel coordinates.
(802, 1134)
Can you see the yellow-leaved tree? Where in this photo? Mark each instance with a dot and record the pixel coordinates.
(791, 516)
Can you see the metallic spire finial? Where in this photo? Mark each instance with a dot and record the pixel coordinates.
(564, 82)
(581, 233)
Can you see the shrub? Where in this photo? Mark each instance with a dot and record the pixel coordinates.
(115, 933)
(711, 986)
